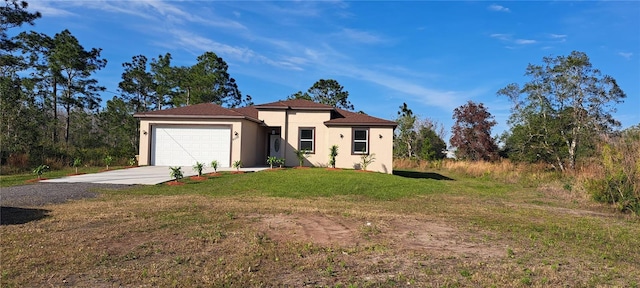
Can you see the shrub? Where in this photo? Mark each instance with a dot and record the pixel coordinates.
(620, 180)
(214, 165)
(366, 159)
(333, 152)
(40, 170)
(176, 173)
(198, 168)
(107, 160)
(301, 155)
(237, 165)
(76, 163)
(272, 160)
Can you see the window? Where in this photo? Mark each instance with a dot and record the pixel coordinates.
(307, 139)
(360, 141)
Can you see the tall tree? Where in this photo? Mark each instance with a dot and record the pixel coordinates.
(137, 84)
(560, 110)
(75, 66)
(18, 110)
(39, 47)
(163, 76)
(13, 14)
(208, 81)
(405, 138)
(429, 141)
(300, 95)
(330, 92)
(119, 128)
(471, 133)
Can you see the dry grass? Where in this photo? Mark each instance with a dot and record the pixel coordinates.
(463, 236)
(504, 170)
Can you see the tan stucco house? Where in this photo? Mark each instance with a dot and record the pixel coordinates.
(206, 132)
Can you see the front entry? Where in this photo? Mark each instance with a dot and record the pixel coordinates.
(275, 146)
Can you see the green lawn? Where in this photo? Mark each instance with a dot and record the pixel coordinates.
(324, 228)
(24, 178)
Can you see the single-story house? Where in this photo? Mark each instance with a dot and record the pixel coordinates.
(206, 132)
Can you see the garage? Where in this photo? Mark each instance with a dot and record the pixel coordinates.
(184, 145)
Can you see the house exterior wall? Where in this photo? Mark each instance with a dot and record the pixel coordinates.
(146, 125)
(253, 144)
(381, 147)
(307, 119)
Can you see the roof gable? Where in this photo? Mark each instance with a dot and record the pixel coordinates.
(347, 118)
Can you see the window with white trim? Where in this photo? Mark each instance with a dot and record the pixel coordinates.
(360, 141)
(307, 139)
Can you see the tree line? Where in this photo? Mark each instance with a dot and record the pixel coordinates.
(51, 105)
(52, 110)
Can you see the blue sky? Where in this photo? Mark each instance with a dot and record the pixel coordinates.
(435, 56)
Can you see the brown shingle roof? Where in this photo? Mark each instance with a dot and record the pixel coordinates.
(339, 117)
(347, 118)
(203, 110)
(249, 111)
(300, 104)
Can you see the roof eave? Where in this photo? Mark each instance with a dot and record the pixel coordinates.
(368, 124)
(213, 117)
(294, 108)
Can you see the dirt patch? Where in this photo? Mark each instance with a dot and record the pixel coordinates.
(198, 178)
(403, 234)
(175, 183)
(319, 229)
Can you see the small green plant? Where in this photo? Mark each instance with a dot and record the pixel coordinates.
(132, 161)
(40, 170)
(366, 159)
(280, 162)
(272, 160)
(176, 173)
(214, 165)
(237, 164)
(198, 168)
(301, 155)
(107, 160)
(76, 163)
(333, 152)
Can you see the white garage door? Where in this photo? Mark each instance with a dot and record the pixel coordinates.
(186, 145)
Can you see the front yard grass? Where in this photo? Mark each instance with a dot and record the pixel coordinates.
(320, 228)
(23, 178)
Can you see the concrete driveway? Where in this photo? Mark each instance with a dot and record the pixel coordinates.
(146, 175)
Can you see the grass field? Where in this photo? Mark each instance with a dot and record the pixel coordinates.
(322, 228)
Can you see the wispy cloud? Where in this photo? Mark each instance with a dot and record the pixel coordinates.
(558, 36)
(190, 42)
(498, 8)
(360, 36)
(446, 100)
(510, 40)
(525, 41)
(500, 36)
(49, 11)
(626, 55)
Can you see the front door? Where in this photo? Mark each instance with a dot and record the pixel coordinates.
(275, 146)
